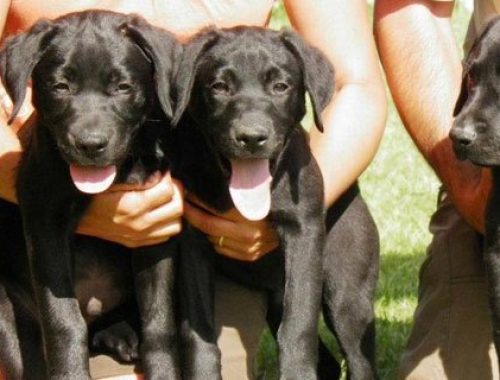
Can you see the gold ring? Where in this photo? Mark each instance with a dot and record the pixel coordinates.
(221, 241)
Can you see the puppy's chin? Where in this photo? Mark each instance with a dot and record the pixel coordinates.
(487, 163)
(478, 159)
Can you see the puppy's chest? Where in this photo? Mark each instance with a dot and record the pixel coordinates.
(200, 171)
(211, 187)
(43, 178)
(137, 170)
(148, 155)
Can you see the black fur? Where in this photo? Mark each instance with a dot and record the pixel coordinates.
(94, 73)
(243, 80)
(476, 136)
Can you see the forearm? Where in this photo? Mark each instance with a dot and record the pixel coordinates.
(354, 124)
(422, 64)
(355, 119)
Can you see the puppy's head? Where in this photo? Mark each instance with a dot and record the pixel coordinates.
(245, 87)
(96, 76)
(476, 130)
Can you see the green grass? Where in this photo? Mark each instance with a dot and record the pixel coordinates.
(401, 191)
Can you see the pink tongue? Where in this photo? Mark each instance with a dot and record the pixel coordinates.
(92, 180)
(250, 187)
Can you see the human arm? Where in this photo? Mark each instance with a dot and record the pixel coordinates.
(423, 69)
(354, 121)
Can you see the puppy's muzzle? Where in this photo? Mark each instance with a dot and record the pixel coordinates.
(463, 136)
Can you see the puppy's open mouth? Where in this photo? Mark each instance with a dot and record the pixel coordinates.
(250, 187)
(92, 179)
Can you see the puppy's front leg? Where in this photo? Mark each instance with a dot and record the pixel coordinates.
(297, 334)
(200, 356)
(10, 350)
(64, 329)
(154, 282)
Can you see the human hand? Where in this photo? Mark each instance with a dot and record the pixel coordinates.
(136, 216)
(230, 233)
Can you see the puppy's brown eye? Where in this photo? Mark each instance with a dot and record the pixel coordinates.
(220, 87)
(61, 87)
(280, 87)
(124, 87)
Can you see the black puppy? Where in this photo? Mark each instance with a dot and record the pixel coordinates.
(476, 137)
(101, 85)
(240, 143)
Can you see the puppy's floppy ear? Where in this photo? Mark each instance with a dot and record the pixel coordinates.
(186, 75)
(474, 52)
(317, 71)
(162, 49)
(18, 58)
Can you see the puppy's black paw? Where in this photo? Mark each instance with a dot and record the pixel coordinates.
(119, 340)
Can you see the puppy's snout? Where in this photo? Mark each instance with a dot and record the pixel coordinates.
(463, 136)
(251, 139)
(91, 143)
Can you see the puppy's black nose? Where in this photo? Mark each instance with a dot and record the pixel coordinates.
(91, 143)
(251, 139)
(463, 136)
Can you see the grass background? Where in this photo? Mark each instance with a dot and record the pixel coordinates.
(401, 191)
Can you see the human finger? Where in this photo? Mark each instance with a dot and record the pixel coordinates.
(153, 235)
(164, 230)
(208, 223)
(136, 203)
(160, 193)
(169, 211)
(247, 252)
(238, 255)
(216, 225)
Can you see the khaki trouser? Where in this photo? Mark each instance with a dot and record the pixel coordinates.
(240, 319)
(451, 336)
